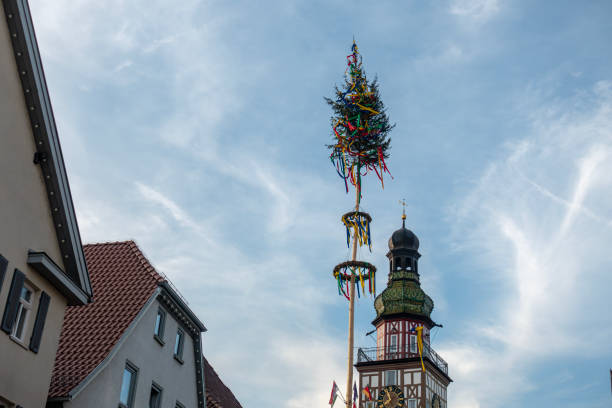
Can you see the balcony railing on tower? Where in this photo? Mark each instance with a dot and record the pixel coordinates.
(365, 355)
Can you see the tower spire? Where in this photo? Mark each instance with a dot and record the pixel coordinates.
(403, 203)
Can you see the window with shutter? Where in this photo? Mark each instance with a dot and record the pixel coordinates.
(12, 302)
(39, 323)
(24, 310)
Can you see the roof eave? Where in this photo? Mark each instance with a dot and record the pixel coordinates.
(183, 306)
(426, 319)
(44, 130)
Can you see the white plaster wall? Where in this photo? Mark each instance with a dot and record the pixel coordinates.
(25, 223)
(154, 362)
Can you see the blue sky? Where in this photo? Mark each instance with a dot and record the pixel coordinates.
(198, 128)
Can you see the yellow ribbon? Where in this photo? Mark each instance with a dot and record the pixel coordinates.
(420, 344)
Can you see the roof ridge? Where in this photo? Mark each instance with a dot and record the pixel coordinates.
(109, 243)
(145, 262)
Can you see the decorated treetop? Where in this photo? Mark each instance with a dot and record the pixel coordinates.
(360, 125)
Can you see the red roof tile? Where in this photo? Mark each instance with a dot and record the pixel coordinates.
(122, 281)
(217, 394)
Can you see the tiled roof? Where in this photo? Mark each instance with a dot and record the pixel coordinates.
(122, 281)
(217, 394)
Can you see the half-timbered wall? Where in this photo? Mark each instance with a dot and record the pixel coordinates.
(396, 334)
(410, 380)
(434, 385)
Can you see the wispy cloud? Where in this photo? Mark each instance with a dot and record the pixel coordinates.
(475, 10)
(208, 151)
(546, 241)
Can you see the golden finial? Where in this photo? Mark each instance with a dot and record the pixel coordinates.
(403, 203)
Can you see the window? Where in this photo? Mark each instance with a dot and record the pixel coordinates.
(128, 386)
(370, 404)
(178, 345)
(23, 312)
(412, 403)
(413, 344)
(160, 324)
(391, 377)
(156, 396)
(393, 348)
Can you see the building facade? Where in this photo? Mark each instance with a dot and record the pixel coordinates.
(138, 345)
(393, 371)
(42, 266)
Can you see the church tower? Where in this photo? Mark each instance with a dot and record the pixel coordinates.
(394, 372)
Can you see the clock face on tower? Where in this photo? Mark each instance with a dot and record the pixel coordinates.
(390, 396)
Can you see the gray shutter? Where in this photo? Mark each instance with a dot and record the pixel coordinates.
(3, 264)
(39, 324)
(12, 303)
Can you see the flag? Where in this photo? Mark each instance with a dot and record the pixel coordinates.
(334, 394)
(355, 396)
(368, 394)
(420, 344)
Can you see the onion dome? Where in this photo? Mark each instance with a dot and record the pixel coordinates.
(403, 238)
(403, 295)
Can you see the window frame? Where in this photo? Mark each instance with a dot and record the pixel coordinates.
(413, 342)
(385, 377)
(162, 326)
(129, 366)
(160, 392)
(414, 401)
(179, 345)
(393, 348)
(23, 305)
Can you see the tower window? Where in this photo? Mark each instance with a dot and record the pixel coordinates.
(413, 344)
(393, 345)
(391, 377)
(397, 263)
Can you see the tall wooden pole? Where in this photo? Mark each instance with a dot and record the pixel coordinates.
(349, 381)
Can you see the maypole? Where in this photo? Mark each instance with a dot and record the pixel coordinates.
(361, 141)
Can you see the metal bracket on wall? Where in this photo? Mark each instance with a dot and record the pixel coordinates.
(39, 157)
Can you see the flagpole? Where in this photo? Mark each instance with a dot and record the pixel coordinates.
(349, 381)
